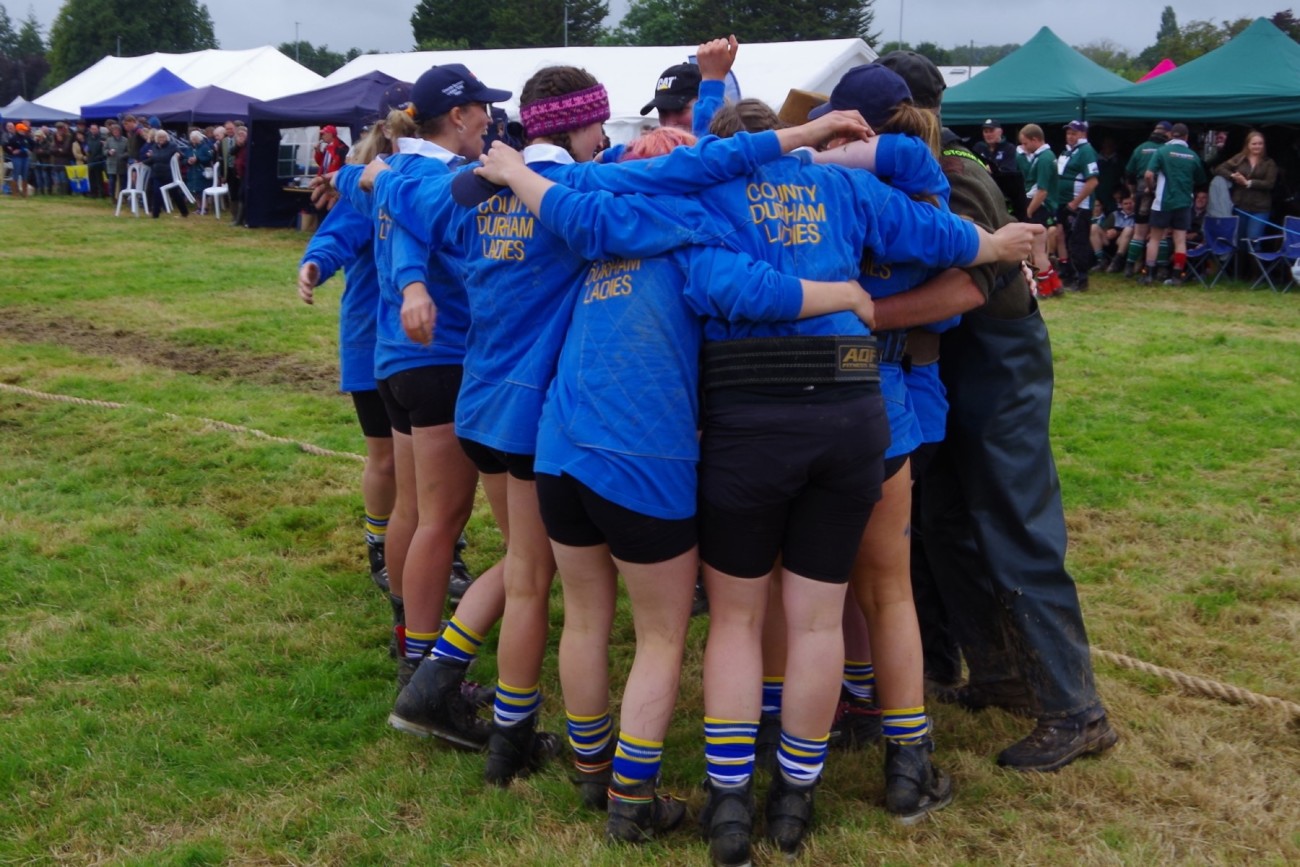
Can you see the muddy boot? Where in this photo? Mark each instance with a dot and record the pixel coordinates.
(789, 813)
(914, 787)
(592, 778)
(728, 822)
(433, 705)
(637, 814)
(517, 750)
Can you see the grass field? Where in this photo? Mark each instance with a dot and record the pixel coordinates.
(192, 657)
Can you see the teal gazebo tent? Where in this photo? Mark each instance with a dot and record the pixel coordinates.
(1042, 81)
(1253, 79)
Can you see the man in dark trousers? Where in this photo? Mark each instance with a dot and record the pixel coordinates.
(1079, 179)
(993, 523)
(1000, 155)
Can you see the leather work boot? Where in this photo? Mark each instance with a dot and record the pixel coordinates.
(1053, 744)
(593, 778)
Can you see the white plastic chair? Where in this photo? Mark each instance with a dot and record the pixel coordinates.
(216, 191)
(178, 183)
(137, 188)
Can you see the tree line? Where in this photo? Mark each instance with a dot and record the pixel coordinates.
(86, 30)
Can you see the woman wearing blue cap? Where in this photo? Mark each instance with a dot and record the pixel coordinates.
(419, 380)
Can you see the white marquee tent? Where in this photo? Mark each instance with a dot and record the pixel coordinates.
(262, 73)
(766, 71)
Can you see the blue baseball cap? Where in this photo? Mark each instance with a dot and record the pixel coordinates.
(442, 88)
(874, 91)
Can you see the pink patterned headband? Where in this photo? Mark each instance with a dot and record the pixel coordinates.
(567, 112)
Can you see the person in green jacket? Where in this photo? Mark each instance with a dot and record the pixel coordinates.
(1135, 172)
(1038, 168)
(1174, 173)
(1078, 180)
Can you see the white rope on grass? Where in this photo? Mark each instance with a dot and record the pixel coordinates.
(1200, 685)
(1189, 683)
(309, 448)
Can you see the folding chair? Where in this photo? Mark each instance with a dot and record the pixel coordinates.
(216, 191)
(178, 183)
(137, 186)
(1219, 245)
(1270, 260)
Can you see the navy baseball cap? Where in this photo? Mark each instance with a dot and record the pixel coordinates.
(675, 88)
(991, 124)
(923, 78)
(874, 91)
(442, 88)
(1077, 125)
(1164, 126)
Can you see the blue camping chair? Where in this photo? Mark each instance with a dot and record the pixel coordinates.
(1219, 244)
(1270, 261)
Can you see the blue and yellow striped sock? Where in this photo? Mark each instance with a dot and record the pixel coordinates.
(729, 750)
(801, 759)
(376, 527)
(458, 643)
(589, 736)
(418, 644)
(860, 680)
(515, 704)
(773, 690)
(636, 760)
(907, 725)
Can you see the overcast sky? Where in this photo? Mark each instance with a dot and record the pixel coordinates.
(384, 25)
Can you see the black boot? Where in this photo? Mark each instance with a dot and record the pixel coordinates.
(789, 813)
(461, 577)
(397, 638)
(593, 777)
(637, 814)
(378, 571)
(767, 742)
(1130, 268)
(856, 726)
(914, 787)
(517, 750)
(432, 705)
(728, 821)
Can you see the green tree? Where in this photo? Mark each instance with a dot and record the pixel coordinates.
(1108, 55)
(318, 58)
(1166, 40)
(656, 22)
(444, 24)
(1284, 21)
(86, 30)
(23, 64)
(651, 22)
(938, 56)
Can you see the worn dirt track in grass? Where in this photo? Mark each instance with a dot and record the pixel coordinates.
(200, 361)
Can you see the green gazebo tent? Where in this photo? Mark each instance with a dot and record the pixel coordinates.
(1254, 78)
(1042, 81)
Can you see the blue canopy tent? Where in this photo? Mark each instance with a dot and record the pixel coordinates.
(353, 104)
(201, 105)
(161, 83)
(22, 109)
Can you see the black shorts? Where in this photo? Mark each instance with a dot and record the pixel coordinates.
(372, 414)
(577, 516)
(1142, 215)
(421, 396)
(493, 462)
(1179, 219)
(1042, 217)
(894, 464)
(794, 478)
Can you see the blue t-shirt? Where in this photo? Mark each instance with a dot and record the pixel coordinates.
(343, 242)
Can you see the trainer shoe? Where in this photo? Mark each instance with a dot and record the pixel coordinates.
(517, 750)
(767, 742)
(914, 787)
(728, 821)
(1053, 744)
(432, 705)
(789, 813)
(856, 725)
(637, 814)
(593, 778)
